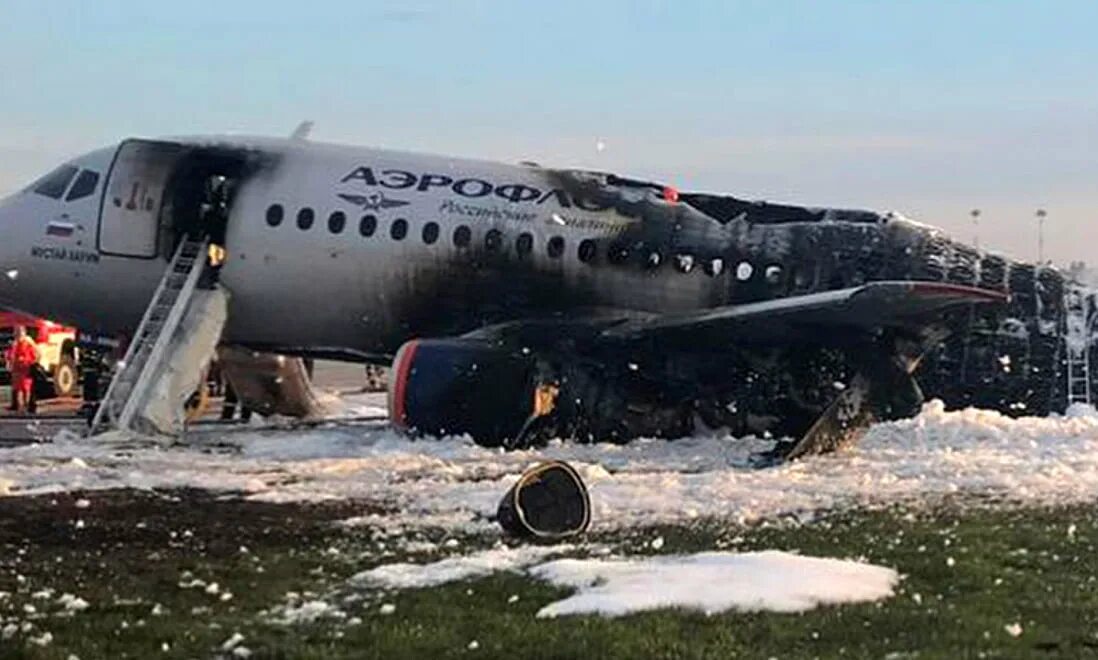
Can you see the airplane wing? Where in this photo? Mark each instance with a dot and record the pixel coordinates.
(877, 305)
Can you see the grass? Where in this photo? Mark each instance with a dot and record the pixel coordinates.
(969, 573)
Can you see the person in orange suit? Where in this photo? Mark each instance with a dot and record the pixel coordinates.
(21, 357)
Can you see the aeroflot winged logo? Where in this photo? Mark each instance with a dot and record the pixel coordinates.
(373, 201)
(470, 187)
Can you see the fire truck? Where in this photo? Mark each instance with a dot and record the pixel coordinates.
(58, 353)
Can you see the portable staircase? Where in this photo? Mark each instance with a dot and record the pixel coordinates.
(1077, 340)
(148, 348)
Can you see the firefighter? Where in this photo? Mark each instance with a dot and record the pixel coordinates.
(21, 357)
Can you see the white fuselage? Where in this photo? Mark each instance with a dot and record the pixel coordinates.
(395, 239)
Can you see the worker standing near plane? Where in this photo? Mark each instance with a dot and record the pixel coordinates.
(21, 358)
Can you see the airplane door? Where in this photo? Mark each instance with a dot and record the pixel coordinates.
(129, 217)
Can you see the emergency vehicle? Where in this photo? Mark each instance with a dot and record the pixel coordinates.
(58, 353)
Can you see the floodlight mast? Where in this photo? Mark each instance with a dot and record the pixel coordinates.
(1041, 214)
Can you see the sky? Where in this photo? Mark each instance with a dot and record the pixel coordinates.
(930, 108)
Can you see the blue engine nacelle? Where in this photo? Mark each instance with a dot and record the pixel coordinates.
(454, 387)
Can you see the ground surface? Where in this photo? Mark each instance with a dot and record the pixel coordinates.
(54, 415)
(1016, 583)
(245, 540)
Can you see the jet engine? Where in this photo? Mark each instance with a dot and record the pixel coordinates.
(503, 393)
(459, 386)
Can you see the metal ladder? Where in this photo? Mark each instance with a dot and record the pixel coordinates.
(1077, 341)
(148, 346)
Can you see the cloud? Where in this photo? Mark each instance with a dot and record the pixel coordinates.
(403, 15)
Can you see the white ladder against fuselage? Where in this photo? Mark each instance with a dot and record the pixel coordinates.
(1077, 304)
(148, 347)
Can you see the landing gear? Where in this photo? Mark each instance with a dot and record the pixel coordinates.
(199, 402)
(882, 390)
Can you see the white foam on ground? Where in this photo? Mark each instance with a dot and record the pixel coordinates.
(455, 484)
(355, 405)
(712, 582)
(453, 569)
(709, 582)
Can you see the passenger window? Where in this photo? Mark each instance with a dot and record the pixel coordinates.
(84, 186)
(587, 250)
(368, 225)
(430, 233)
(337, 221)
(305, 218)
(399, 229)
(275, 214)
(773, 275)
(462, 236)
(804, 275)
(53, 185)
(618, 253)
(555, 247)
(524, 244)
(493, 240)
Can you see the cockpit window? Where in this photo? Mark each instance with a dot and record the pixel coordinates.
(84, 186)
(53, 185)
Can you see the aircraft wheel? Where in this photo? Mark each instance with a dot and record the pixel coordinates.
(199, 402)
(64, 378)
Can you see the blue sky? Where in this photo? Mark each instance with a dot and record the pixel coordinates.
(931, 108)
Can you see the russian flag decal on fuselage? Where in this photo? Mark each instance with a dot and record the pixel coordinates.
(60, 229)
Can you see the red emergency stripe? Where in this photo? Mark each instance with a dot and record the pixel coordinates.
(402, 367)
(958, 290)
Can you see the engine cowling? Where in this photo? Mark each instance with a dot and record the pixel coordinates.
(454, 386)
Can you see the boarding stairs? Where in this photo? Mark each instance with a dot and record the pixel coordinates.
(148, 349)
(1077, 340)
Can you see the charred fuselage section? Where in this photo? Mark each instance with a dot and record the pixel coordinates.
(1008, 357)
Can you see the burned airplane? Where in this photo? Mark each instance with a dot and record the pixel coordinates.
(519, 302)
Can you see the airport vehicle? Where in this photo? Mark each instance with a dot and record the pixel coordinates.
(58, 352)
(519, 301)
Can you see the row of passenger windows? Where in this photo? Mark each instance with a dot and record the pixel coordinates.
(398, 230)
(462, 236)
(54, 184)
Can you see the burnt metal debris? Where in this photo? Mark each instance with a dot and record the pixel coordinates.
(548, 502)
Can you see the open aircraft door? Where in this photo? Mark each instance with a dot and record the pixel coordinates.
(129, 216)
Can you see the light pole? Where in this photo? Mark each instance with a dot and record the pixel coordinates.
(1041, 213)
(975, 213)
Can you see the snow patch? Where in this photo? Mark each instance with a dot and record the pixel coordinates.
(1081, 410)
(72, 603)
(232, 642)
(454, 485)
(709, 582)
(712, 582)
(453, 569)
(308, 612)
